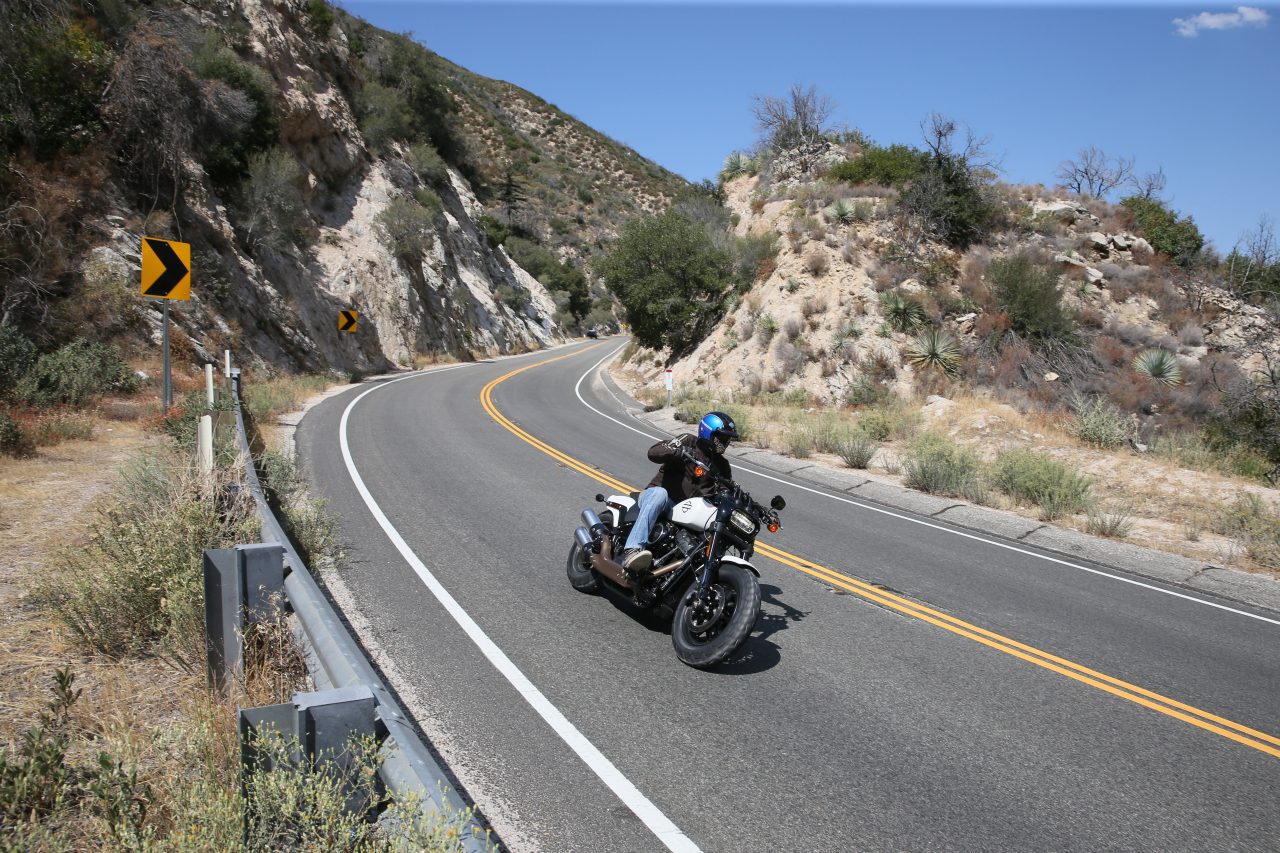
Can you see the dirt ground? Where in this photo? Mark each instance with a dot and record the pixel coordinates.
(47, 504)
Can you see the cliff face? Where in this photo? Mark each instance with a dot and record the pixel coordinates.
(280, 247)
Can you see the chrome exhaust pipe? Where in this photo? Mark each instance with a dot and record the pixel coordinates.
(583, 538)
(592, 521)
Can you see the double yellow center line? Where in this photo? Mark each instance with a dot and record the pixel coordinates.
(1242, 734)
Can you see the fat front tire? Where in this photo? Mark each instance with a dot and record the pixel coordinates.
(581, 576)
(703, 637)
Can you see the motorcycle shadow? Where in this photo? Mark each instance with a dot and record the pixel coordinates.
(758, 653)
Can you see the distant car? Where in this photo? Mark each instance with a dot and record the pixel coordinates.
(592, 333)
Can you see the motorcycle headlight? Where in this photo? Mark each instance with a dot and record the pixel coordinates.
(742, 522)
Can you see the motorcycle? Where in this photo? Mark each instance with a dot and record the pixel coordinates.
(701, 574)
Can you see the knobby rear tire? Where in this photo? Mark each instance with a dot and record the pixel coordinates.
(703, 652)
(581, 576)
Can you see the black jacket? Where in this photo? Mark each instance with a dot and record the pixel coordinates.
(675, 476)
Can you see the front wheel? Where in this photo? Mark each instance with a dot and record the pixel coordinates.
(706, 632)
(578, 567)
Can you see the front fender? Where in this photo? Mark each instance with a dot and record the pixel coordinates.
(728, 558)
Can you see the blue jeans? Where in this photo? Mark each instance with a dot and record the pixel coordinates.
(654, 501)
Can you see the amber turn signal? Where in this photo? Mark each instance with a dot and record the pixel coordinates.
(773, 527)
(699, 471)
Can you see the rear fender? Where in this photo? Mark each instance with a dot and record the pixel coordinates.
(616, 507)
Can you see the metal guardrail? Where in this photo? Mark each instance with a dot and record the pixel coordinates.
(335, 660)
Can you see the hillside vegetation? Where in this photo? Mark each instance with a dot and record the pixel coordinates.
(314, 162)
(911, 292)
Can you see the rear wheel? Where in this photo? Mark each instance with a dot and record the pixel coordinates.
(706, 632)
(578, 567)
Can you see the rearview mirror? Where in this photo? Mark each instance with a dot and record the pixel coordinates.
(778, 502)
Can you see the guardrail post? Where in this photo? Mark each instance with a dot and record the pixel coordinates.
(242, 586)
(208, 385)
(204, 446)
(322, 726)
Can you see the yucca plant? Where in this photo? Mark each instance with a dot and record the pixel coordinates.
(736, 164)
(934, 348)
(842, 212)
(1160, 366)
(902, 313)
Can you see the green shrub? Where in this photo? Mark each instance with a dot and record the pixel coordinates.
(494, 231)
(17, 356)
(800, 443)
(1257, 526)
(1248, 416)
(1030, 477)
(553, 273)
(138, 581)
(1101, 424)
(1113, 524)
(893, 166)
(275, 214)
(670, 276)
(75, 374)
(753, 257)
(952, 202)
(933, 464)
(865, 391)
(1031, 297)
(1177, 237)
(385, 116)
(60, 426)
(406, 229)
(12, 439)
(320, 16)
(889, 418)
(857, 449)
(55, 71)
(226, 154)
(427, 164)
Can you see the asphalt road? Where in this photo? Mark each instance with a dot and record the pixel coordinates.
(845, 723)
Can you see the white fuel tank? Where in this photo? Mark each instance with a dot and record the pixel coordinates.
(695, 514)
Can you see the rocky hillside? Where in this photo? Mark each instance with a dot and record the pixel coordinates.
(314, 163)
(845, 311)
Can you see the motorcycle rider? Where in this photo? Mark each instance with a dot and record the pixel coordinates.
(674, 481)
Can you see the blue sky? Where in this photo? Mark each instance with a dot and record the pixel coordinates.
(675, 80)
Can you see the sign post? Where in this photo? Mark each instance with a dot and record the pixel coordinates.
(668, 388)
(166, 275)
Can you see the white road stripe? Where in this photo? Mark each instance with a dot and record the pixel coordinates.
(661, 826)
(577, 389)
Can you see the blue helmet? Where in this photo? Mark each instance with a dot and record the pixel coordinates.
(717, 424)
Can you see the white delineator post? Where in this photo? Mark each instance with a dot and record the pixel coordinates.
(227, 370)
(668, 388)
(208, 385)
(204, 446)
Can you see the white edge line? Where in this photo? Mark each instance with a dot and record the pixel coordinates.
(577, 389)
(657, 822)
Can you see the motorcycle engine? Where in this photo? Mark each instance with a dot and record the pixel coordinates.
(685, 541)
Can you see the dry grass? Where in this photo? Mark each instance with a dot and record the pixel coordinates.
(174, 750)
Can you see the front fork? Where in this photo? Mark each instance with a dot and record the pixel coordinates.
(711, 568)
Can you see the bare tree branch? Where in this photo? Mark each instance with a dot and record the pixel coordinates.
(1094, 173)
(1150, 185)
(800, 117)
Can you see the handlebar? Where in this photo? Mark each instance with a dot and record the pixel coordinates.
(763, 512)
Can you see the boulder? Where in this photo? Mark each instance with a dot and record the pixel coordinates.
(1139, 244)
(1121, 241)
(1094, 276)
(1071, 259)
(1099, 242)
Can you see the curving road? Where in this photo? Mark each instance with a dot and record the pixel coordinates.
(908, 686)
